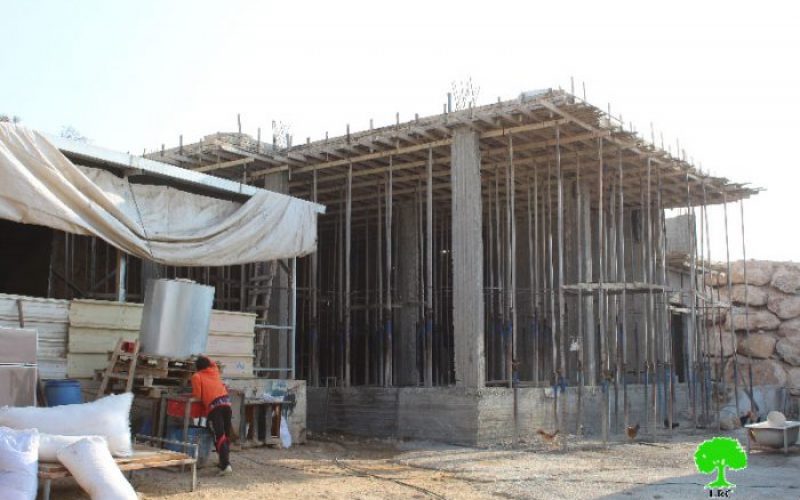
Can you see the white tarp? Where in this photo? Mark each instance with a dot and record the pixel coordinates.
(39, 185)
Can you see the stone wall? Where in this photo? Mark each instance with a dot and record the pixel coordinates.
(770, 306)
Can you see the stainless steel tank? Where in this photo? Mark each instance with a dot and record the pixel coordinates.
(176, 317)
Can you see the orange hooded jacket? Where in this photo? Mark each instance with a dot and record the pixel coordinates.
(207, 385)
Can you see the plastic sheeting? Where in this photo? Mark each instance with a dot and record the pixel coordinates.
(39, 185)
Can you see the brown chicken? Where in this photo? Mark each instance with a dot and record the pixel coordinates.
(549, 437)
(749, 418)
(632, 431)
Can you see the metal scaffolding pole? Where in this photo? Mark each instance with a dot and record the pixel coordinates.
(347, 292)
(602, 312)
(623, 298)
(429, 273)
(314, 305)
(730, 306)
(580, 279)
(561, 306)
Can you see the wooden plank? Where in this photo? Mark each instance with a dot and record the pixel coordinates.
(231, 345)
(141, 459)
(96, 340)
(224, 164)
(235, 322)
(84, 365)
(106, 314)
(236, 365)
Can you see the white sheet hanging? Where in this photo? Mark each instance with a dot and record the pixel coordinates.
(39, 185)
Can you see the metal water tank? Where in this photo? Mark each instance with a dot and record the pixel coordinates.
(175, 318)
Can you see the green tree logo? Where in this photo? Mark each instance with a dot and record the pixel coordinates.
(718, 454)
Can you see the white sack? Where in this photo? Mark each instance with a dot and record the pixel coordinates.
(49, 444)
(18, 464)
(93, 467)
(108, 417)
(41, 186)
(286, 436)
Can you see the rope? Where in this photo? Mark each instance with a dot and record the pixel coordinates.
(144, 230)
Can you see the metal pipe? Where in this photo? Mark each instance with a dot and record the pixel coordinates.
(746, 309)
(602, 312)
(429, 273)
(293, 313)
(561, 306)
(347, 292)
(730, 305)
(623, 298)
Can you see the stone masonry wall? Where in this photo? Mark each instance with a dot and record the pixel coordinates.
(770, 305)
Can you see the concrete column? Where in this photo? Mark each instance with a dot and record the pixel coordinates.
(279, 299)
(407, 369)
(467, 258)
(589, 320)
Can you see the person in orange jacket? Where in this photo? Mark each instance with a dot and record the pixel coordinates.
(207, 386)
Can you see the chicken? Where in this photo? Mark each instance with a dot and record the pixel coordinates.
(548, 437)
(749, 417)
(632, 430)
(666, 424)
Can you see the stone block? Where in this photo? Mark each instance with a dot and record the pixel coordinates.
(765, 371)
(786, 278)
(790, 328)
(793, 382)
(759, 319)
(783, 305)
(789, 350)
(713, 343)
(748, 295)
(758, 345)
(759, 272)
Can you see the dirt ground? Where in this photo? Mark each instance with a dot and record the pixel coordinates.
(337, 467)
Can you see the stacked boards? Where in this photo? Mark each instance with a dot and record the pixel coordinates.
(50, 318)
(95, 326)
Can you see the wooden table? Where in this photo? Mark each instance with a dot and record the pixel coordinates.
(252, 407)
(143, 457)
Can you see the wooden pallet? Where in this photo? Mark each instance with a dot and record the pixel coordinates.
(145, 374)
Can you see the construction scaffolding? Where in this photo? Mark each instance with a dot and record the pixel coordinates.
(522, 243)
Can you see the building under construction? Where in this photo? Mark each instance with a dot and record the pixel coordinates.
(480, 274)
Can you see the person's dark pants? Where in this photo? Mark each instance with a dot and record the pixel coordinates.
(220, 421)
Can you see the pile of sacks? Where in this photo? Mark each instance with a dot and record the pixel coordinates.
(31, 434)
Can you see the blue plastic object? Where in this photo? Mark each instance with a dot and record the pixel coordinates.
(200, 435)
(63, 392)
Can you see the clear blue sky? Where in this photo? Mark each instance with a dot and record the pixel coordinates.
(133, 75)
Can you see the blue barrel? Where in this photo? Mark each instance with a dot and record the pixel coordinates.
(63, 392)
(198, 435)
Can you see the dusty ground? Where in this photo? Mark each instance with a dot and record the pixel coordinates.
(337, 467)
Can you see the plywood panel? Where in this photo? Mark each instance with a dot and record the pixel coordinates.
(234, 322)
(34, 308)
(106, 314)
(83, 365)
(96, 325)
(229, 344)
(52, 368)
(96, 340)
(236, 365)
(49, 317)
